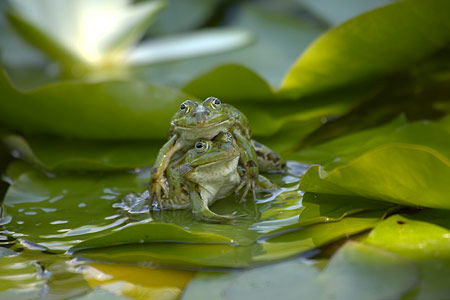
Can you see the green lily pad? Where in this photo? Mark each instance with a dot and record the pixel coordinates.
(62, 155)
(428, 245)
(120, 109)
(66, 211)
(306, 238)
(210, 255)
(153, 232)
(407, 164)
(371, 45)
(231, 82)
(356, 271)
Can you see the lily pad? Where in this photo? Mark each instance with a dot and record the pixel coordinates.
(407, 165)
(356, 271)
(371, 45)
(278, 246)
(231, 82)
(62, 155)
(87, 211)
(210, 255)
(91, 110)
(148, 233)
(419, 239)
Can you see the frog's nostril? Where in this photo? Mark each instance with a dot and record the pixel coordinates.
(201, 115)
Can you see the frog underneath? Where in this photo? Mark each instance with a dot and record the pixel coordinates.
(206, 173)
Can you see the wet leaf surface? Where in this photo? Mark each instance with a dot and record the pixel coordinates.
(378, 164)
(58, 155)
(90, 208)
(231, 256)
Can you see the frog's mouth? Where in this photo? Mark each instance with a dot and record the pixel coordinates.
(211, 164)
(204, 125)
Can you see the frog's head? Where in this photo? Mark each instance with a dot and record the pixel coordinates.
(221, 152)
(207, 114)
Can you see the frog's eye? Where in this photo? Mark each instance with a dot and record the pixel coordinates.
(215, 103)
(201, 147)
(228, 137)
(184, 107)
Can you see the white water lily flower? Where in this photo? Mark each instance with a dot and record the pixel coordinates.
(104, 33)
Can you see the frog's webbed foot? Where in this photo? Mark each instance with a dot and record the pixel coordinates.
(253, 183)
(250, 184)
(159, 190)
(249, 180)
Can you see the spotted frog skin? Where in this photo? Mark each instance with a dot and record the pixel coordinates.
(206, 173)
(205, 120)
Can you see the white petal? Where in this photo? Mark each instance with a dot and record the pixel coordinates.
(208, 41)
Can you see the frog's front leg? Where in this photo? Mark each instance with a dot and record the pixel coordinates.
(158, 181)
(249, 161)
(201, 210)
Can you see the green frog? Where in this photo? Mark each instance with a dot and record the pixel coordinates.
(205, 120)
(207, 172)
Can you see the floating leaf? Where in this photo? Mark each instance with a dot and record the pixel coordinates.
(356, 271)
(62, 155)
(245, 83)
(428, 245)
(371, 45)
(408, 165)
(153, 232)
(310, 237)
(91, 110)
(210, 255)
(87, 210)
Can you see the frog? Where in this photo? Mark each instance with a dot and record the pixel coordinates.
(205, 120)
(207, 172)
